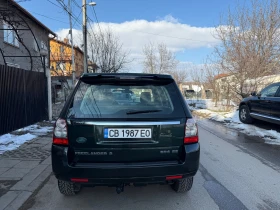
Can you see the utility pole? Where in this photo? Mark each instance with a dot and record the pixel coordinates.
(72, 44)
(85, 35)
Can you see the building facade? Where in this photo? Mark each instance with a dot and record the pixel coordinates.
(61, 58)
(24, 41)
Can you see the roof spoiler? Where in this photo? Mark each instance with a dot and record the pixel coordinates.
(124, 76)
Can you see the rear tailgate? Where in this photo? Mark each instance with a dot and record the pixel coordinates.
(89, 144)
(95, 114)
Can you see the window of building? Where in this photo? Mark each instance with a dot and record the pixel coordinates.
(10, 35)
(35, 46)
(61, 66)
(61, 49)
(43, 45)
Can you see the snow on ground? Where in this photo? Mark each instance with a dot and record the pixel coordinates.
(231, 120)
(36, 129)
(12, 141)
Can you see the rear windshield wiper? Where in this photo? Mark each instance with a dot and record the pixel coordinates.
(144, 111)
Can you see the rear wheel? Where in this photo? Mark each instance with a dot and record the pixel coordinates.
(182, 185)
(244, 115)
(68, 188)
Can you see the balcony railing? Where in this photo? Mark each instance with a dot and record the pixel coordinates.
(60, 57)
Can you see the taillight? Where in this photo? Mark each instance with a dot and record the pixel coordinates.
(60, 136)
(191, 132)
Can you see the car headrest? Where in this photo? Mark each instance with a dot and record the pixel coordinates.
(145, 97)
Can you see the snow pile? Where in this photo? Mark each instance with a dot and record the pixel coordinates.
(231, 120)
(13, 141)
(36, 129)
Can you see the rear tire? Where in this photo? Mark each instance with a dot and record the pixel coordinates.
(182, 185)
(244, 115)
(68, 188)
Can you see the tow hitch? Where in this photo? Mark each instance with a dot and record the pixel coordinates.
(120, 188)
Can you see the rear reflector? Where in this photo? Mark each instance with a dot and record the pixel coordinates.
(174, 177)
(191, 139)
(60, 141)
(79, 180)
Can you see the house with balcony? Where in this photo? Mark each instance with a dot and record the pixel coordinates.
(61, 58)
(61, 67)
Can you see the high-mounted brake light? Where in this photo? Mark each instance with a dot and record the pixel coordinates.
(60, 133)
(191, 132)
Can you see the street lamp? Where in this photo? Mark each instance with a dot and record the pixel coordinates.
(85, 32)
(92, 4)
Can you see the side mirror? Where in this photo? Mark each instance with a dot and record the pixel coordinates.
(254, 93)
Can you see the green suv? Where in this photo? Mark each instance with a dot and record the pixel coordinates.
(100, 140)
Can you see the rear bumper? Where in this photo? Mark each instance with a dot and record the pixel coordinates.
(116, 173)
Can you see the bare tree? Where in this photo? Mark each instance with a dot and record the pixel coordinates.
(198, 76)
(250, 44)
(106, 52)
(180, 75)
(158, 59)
(211, 72)
(150, 60)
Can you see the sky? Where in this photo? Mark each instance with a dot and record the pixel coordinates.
(185, 26)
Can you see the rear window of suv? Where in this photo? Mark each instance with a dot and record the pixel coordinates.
(126, 100)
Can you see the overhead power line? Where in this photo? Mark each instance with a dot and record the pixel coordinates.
(54, 3)
(76, 4)
(96, 19)
(77, 19)
(69, 13)
(174, 37)
(48, 17)
(90, 25)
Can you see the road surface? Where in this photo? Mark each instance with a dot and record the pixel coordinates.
(236, 172)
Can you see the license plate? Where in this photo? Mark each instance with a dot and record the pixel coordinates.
(128, 133)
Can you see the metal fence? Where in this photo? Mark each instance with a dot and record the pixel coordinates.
(23, 98)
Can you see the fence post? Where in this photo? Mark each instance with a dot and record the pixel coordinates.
(24, 95)
(48, 74)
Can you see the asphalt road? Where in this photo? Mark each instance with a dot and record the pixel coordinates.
(236, 172)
